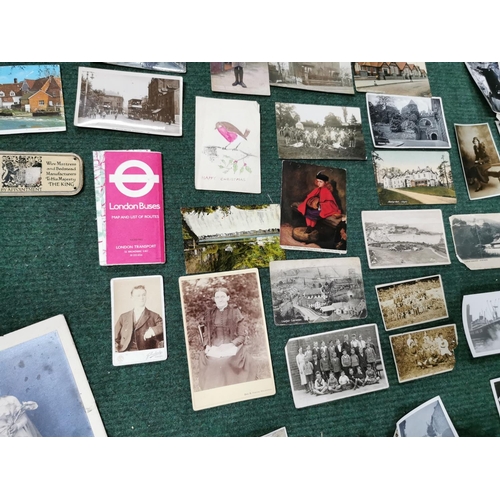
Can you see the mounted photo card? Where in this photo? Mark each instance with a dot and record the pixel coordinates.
(250, 78)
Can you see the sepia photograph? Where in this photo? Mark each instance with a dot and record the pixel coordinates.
(412, 302)
(317, 290)
(226, 338)
(412, 238)
(430, 419)
(308, 131)
(486, 75)
(495, 387)
(481, 320)
(407, 122)
(424, 353)
(248, 78)
(413, 178)
(144, 103)
(397, 78)
(171, 67)
(477, 240)
(44, 389)
(480, 160)
(334, 365)
(138, 310)
(229, 238)
(31, 99)
(313, 208)
(333, 77)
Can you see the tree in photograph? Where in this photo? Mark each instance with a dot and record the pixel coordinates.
(332, 120)
(353, 120)
(444, 172)
(286, 115)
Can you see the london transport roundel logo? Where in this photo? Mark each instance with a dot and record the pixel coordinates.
(148, 179)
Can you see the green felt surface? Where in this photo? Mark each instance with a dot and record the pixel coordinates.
(49, 265)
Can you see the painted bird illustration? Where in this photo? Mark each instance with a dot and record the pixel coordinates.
(231, 133)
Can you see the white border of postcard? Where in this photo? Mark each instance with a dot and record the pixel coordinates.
(496, 393)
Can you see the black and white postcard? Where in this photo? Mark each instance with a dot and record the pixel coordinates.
(412, 302)
(170, 67)
(334, 365)
(495, 387)
(410, 238)
(481, 319)
(281, 432)
(226, 238)
(333, 77)
(487, 78)
(44, 391)
(317, 290)
(310, 131)
(397, 78)
(430, 419)
(145, 103)
(138, 320)
(226, 338)
(227, 145)
(477, 240)
(407, 122)
(313, 208)
(413, 178)
(250, 78)
(480, 160)
(424, 353)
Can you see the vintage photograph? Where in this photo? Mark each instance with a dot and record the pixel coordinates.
(43, 390)
(227, 145)
(144, 103)
(281, 432)
(477, 240)
(31, 99)
(138, 325)
(317, 290)
(480, 160)
(412, 238)
(430, 419)
(407, 122)
(333, 77)
(487, 78)
(481, 319)
(397, 78)
(226, 338)
(412, 302)
(171, 67)
(251, 78)
(424, 353)
(313, 208)
(495, 387)
(229, 238)
(413, 178)
(335, 365)
(308, 131)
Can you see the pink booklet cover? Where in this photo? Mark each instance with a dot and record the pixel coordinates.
(134, 220)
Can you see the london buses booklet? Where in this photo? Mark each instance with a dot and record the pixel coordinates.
(129, 203)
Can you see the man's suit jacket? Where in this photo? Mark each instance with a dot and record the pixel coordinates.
(124, 330)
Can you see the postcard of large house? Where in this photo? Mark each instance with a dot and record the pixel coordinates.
(413, 177)
(412, 238)
(430, 419)
(226, 238)
(487, 78)
(313, 208)
(317, 290)
(227, 145)
(406, 122)
(480, 160)
(251, 78)
(333, 77)
(309, 131)
(171, 67)
(319, 375)
(31, 99)
(424, 353)
(44, 391)
(481, 320)
(477, 240)
(145, 103)
(412, 302)
(396, 78)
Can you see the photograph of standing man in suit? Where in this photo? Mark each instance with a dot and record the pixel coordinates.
(138, 329)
